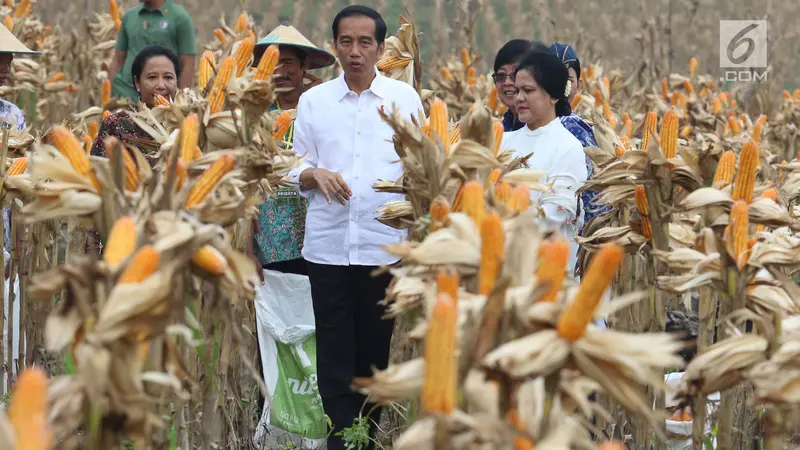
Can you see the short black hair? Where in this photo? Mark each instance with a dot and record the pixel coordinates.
(512, 51)
(359, 10)
(151, 51)
(550, 74)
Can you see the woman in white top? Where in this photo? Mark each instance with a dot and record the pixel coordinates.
(542, 83)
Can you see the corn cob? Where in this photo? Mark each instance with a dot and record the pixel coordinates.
(503, 192)
(771, 194)
(55, 78)
(441, 369)
(439, 124)
(724, 98)
(105, 96)
(619, 151)
(665, 90)
(241, 23)
(465, 59)
(573, 321)
(113, 8)
(27, 411)
(216, 100)
(607, 86)
(471, 81)
(244, 52)
(598, 97)
(210, 260)
(143, 264)
(87, 144)
(70, 147)
(93, 129)
(682, 101)
(787, 95)
(493, 100)
(160, 100)
(723, 176)
(117, 24)
(447, 282)
(220, 35)
(552, 267)
(576, 101)
(197, 153)
(189, 137)
(669, 134)
(132, 178)
(18, 167)
(737, 233)
(644, 211)
(282, 124)
(106, 114)
(590, 71)
(675, 99)
(209, 179)
(268, 63)
(625, 142)
(498, 137)
(9, 22)
(688, 87)
(392, 62)
(746, 175)
(627, 124)
(472, 202)
(734, 126)
(205, 69)
(692, 67)
(520, 198)
(494, 176)
(611, 445)
(439, 212)
(520, 442)
(121, 242)
(650, 121)
(607, 112)
(180, 173)
(686, 131)
(22, 9)
(446, 73)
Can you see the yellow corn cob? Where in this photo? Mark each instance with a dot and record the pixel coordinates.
(465, 59)
(675, 99)
(762, 120)
(650, 121)
(121, 242)
(180, 173)
(520, 198)
(113, 8)
(771, 194)
(18, 166)
(216, 100)
(9, 22)
(692, 67)
(197, 153)
(439, 124)
(160, 100)
(598, 97)
(607, 112)
(205, 69)
(446, 73)
(746, 175)
(143, 264)
(472, 202)
(717, 106)
(22, 9)
(441, 368)
(734, 126)
(669, 134)
(440, 209)
(688, 87)
(87, 144)
(607, 86)
(493, 99)
(737, 233)
(644, 210)
(498, 136)
(625, 142)
(471, 77)
(686, 131)
(503, 192)
(757, 133)
(447, 282)
(494, 176)
(392, 62)
(619, 151)
(93, 129)
(552, 267)
(106, 114)
(9, 4)
(576, 101)
(189, 137)
(282, 124)
(241, 23)
(726, 129)
(27, 411)
(573, 321)
(268, 63)
(117, 24)
(786, 95)
(105, 96)
(682, 101)
(220, 35)
(590, 71)
(723, 176)
(70, 147)
(210, 260)
(724, 97)
(665, 90)
(455, 135)
(244, 52)
(132, 177)
(55, 78)
(209, 179)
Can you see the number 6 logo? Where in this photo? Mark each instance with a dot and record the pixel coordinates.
(743, 43)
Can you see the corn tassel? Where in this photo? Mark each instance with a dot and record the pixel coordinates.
(723, 176)
(503, 192)
(268, 63)
(190, 132)
(70, 147)
(209, 179)
(244, 52)
(105, 97)
(216, 100)
(27, 411)
(472, 202)
(573, 321)
(205, 69)
(737, 233)
(439, 124)
(746, 175)
(498, 137)
(18, 167)
(669, 134)
(644, 210)
(650, 121)
(520, 199)
(440, 209)
(447, 282)
(132, 178)
(552, 267)
(282, 124)
(143, 264)
(441, 368)
(210, 260)
(121, 242)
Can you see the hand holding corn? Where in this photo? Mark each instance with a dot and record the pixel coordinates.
(329, 183)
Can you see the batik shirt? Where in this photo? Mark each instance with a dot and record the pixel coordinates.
(11, 115)
(583, 132)
(281, 221)
(511, 122)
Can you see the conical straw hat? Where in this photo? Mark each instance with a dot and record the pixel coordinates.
(10, 44)
(288, 35)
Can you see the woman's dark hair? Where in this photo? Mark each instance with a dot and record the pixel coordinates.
(551, 75)
(358, 10)
(152, 51)
(513, 50)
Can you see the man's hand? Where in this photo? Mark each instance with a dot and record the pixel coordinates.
(314, 81)
(331, 184)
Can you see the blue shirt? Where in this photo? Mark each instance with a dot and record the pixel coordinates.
(511, 123)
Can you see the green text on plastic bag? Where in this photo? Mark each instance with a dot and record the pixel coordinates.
(297, 405)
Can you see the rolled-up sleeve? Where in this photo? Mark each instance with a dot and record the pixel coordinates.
(303, 144)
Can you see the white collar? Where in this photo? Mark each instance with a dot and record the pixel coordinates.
(543, 129)
(377, 87)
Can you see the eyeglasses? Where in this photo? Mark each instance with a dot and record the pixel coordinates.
(501, 77)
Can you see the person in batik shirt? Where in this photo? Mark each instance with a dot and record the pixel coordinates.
(505, 65)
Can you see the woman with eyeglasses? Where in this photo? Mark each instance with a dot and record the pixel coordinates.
(505, 64)
(542, 88)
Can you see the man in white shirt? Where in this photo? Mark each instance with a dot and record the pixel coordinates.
(348, 148)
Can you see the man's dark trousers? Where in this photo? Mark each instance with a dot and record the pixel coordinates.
(352, 337)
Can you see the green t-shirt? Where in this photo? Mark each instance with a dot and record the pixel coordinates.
(169, 26)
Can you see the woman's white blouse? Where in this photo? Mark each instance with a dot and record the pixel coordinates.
(557, 152)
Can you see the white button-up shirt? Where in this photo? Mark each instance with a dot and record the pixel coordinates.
(340, 131)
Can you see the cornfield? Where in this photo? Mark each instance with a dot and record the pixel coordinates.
(151, 344)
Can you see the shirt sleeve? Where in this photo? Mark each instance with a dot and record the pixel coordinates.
(122, 36)
(304, 145)
(187, 40)
(567, 175)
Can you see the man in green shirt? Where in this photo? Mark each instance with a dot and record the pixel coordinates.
(160, 22)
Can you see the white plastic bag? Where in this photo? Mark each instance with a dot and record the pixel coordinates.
(680, 432)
